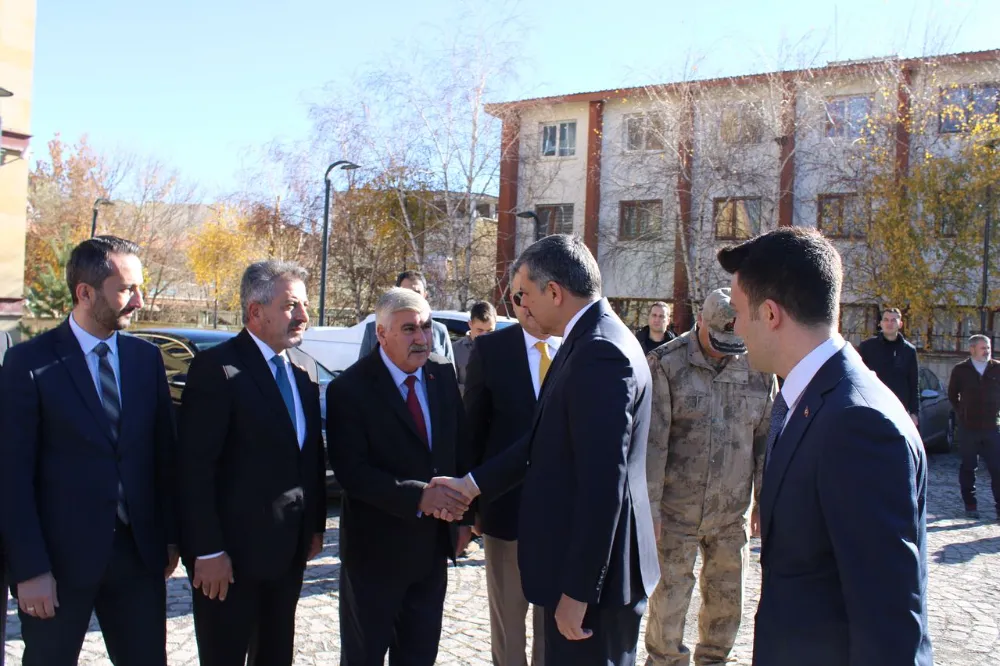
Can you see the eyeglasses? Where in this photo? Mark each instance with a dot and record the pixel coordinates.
(516, 298)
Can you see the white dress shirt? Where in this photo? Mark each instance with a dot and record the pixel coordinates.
(300, 415)
(399, 379)
(535, 356)
(576, 318)
(87, 344)
(804, 371)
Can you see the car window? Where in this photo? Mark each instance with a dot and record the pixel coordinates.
(933, 382)
(922, 380)
(176, 355)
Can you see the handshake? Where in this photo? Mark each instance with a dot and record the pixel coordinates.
(447, 498)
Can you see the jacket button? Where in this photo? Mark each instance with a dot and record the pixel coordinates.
(435, 471)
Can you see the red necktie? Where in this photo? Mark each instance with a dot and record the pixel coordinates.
(413, 405)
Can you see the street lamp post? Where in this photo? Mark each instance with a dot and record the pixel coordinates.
(346, 166)
(992, 144)
(93, 222)
(531, 215)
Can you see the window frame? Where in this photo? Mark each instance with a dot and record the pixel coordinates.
(742, 111)
(557, 125)
(548, 223)
(654, 222)
(962, 126)
(845, 231)
(833, 130)
(646, 119)
(723, 201)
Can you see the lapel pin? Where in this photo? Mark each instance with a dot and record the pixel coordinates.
(806, 412)
(430, 376)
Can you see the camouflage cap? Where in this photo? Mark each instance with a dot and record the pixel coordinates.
(718, 316)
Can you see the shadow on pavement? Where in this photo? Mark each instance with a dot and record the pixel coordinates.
(959, 553)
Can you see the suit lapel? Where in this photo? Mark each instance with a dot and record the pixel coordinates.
(70, 354)
(131, 390)
(263, 376)
(434, 406)
(809, 405)
(304, 384)
(522, 386)
(392, 396)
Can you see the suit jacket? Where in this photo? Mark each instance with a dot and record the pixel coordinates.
(245, 486)
(61, 467)
(585, 526)
(441, 342)
(383, 465)
(500, 402)
(843, 520)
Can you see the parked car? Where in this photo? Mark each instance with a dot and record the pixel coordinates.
(937, 420)
(337, 347)
(179, 345)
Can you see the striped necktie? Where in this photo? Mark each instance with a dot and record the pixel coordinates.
(112, 409)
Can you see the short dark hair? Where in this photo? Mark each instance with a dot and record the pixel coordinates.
(562, 259)
(90, 261)
(797, 268)
(894, 311)
(413, 276)
(658, 304)
(482, 311)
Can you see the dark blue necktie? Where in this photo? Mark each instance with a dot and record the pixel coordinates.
(281, 376)
(112, 409)
(778, 413)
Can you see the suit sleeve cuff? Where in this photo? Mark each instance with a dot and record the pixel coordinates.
(212, 556)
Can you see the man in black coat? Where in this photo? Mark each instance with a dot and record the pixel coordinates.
(394, 421)
(87, 461)
(586, 546)
(656, 332)
(894, 360)
(503, 379)
(252, 476)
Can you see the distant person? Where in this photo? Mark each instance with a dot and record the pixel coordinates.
(974, 392)
(414, 281)
(252, 486)
(87, 461)
(843, 502)
(656, 331)
(482, 319)
(894, 359)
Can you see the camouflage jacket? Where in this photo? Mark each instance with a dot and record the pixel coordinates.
(707, 434)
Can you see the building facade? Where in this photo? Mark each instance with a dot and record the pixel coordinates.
(17, 47)
(657, 179)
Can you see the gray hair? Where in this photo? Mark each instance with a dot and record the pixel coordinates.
(396, 300)
(979, 338)
(260, 278)
(564, 260)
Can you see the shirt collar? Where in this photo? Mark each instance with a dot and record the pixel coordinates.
(576, 318)
(265, 349)
(804, 371)
(88, 341)
(398, 376)
(552, 341)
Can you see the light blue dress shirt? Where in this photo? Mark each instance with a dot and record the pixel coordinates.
(399, 379)
(300, 415)
(87, 343)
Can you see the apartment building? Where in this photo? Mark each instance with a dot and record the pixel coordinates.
(17, 46)
(656, 179)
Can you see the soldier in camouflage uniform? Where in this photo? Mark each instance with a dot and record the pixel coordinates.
(705, 460)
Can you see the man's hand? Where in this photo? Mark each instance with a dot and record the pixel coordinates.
(443, 501)
(213, 576)
(569, 619)
(755, 521)
(465, 486)
(464, 537)
(37, 597)
(916, 420)
(173, 556)
(316, 547)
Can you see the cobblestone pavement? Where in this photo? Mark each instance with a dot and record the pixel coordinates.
(964, 603)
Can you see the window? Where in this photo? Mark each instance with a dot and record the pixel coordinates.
(962, 106)
(559, 139)
(638, 219)
(555, 219)
(644, 132)
(737, 218)
(742, 123)
(847, 117)
(946, 221)
(841, 216)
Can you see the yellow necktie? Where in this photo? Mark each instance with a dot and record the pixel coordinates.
(544, 363)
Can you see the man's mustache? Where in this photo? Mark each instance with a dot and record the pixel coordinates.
(419, 349)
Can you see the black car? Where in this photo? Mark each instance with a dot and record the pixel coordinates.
(179, 345)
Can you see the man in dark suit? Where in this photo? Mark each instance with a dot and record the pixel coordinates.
(504, 376)
(87, 448)
(843, 500)
(252, 497)
(394, 421)
(5, 344)
(440, 340)
(586, 547)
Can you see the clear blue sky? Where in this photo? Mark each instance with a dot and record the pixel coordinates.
(197, 82)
